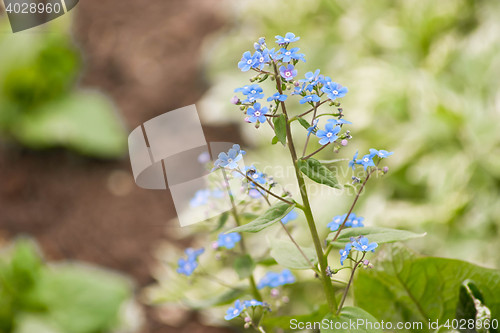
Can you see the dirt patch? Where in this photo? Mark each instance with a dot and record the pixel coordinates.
(145, 56)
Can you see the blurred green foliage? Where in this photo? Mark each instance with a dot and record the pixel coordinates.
(40, 106)
(35, 297)
(423, 81)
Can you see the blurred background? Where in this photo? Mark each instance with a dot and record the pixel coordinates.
(423, 81)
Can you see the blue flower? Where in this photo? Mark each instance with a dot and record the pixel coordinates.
(313, 128)
(187, 266)
(252, 303)
(356, 221)
(247, 61)
(274, 280)
(258, 177)
(344, 253)
(256, 113)
(277, 97)
(366, 161)
(334, 90)
(193, 254)
(234, 311)
(339, 121)
(336, 222)
(310, 99)
(262, 58)
(352, 163)
(229, 160)
(363, 245)
(329, 134)
(287, 55)
(290, 216)
(289, 38)
(200, 198)
(380, 153)
(288, 72)
(252, 91)
(228, 240)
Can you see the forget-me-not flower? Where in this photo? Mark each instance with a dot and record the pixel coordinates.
(277, 97)
(366, 161)
(247, 61)
(262, 58)
(309, 99)
(257, 113)
(339, 121)
(234, 311)
(344, 253)
(187, 266)
(334, 90)
(380, 153)
(288, 72)
(252, 91)
(329, 134)
(287, 55)
(352, 163)
(289, 38)
(363, 245)
(274, 280)
(228, 240)
(230, 159)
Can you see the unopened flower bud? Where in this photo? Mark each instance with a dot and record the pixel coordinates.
(296, 83)
(247, 325)
(247, 119)
(248, 319)
(215, 245)
(235, 100)
(385, 169)
(275, 292)
(285, 299)
(344, 142)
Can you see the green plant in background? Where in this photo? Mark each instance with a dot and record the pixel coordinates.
(424, 78)
(291, 282)
(60, 298)
(40, 107)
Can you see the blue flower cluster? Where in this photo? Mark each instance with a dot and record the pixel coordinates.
(187, 266)
(230, 159)
(228, 240)
(367, 160)
(360, 244)
(353, 221)
(240, 306)
(274, 280)
(201, 197)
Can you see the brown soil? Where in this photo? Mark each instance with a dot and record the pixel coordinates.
(145, 56)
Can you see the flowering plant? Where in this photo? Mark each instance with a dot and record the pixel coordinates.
(266, 276)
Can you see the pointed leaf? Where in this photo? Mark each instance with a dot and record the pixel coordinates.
(287, 255)
(374, 234)
(275, 213)
(317, 172)
(280, 128)
(351, 319)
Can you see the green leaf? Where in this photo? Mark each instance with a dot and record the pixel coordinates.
(375, 234)
(274, 140)
(471, 305)
(222, 221)
(82, 121)
(304, 123)
(287, 255)
(280, 128)
(348, 316)
(405, 287)
(244, 266)
(275, 213)
(317, 172)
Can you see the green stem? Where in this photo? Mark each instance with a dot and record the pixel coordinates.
(234, 211)
(344, 296)
(327, 284)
